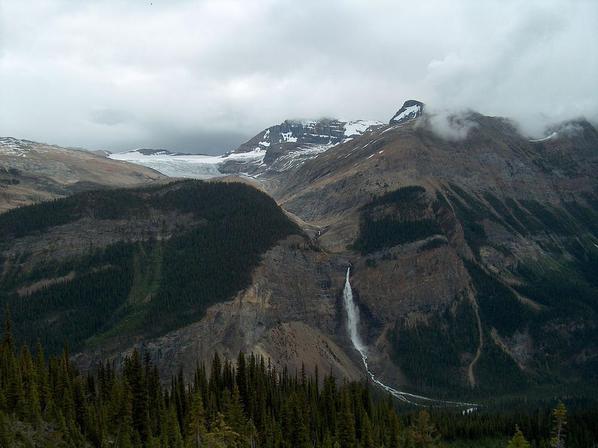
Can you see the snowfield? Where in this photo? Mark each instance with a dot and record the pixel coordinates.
(206, 167)
(192, 166)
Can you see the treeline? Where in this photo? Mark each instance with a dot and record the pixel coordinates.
(48, 403)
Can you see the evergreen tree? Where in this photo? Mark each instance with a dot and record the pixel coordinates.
(559, 424)
(518, 440)
(346, 422)
(422, 433)
(367, 436)
(195, 422)
(6, 435)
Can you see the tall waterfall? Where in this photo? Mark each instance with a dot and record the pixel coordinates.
(353, 329)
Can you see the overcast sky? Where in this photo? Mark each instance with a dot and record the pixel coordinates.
(202, 76)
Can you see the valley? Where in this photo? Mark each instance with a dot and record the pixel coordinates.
(318, 224)
(453, 245)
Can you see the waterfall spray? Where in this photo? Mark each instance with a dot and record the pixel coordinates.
(353, 329)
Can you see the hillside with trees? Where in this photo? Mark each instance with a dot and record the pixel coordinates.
(248, 403)
(163, 256)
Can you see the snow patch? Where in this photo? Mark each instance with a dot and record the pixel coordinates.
(14, 147)
(536, 140)
(358, 127)
(288, 137)
(409, 112)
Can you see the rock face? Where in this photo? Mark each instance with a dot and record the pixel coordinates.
(287, 145)
(289, 315)
(32, 172)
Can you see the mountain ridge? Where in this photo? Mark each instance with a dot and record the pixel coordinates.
(31, 172)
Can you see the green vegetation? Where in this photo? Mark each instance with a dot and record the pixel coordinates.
(418, 350)
(395, 218)
(554, 220)
(499, 306)
(504, 213)
(471, 213)
(146, 287)
(49, 403)
(496, 372)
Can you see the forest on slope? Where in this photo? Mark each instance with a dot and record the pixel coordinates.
(168, 253)
(48, 403)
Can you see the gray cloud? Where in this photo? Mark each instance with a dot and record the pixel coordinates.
(204, 75)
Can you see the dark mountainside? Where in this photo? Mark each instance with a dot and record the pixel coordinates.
(106, 268)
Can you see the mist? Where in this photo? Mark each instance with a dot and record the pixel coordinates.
(203, 76)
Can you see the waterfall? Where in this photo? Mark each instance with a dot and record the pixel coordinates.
(353, 317)
(353, 330)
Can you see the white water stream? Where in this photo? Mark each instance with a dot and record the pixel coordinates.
(353, 328)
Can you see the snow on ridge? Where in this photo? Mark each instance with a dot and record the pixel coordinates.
(288, 137)
(409, 112)
(358, 127)
(297, 157)
(14, 147)
(548, 137)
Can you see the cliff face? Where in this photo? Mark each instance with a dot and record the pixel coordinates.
(289, 314)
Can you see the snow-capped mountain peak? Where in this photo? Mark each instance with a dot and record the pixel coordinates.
(411, 109)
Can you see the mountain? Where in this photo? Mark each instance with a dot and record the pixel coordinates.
(288, 144)
(473, 256)
(474, 259)
(32, 172)
(106, 269)
(411, 109)
(278, 149)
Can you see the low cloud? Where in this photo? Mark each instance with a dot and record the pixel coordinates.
(451, 125)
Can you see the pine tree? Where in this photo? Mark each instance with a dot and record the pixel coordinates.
(7, 341)
(346, 422)
(172, 430)
(422, 433)
(136, 381)
(195, 422)
(518, 440)
(6, 435)
(241, 380)
(233, 412)
(367, 437)
(221, 435)
(559, 423)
